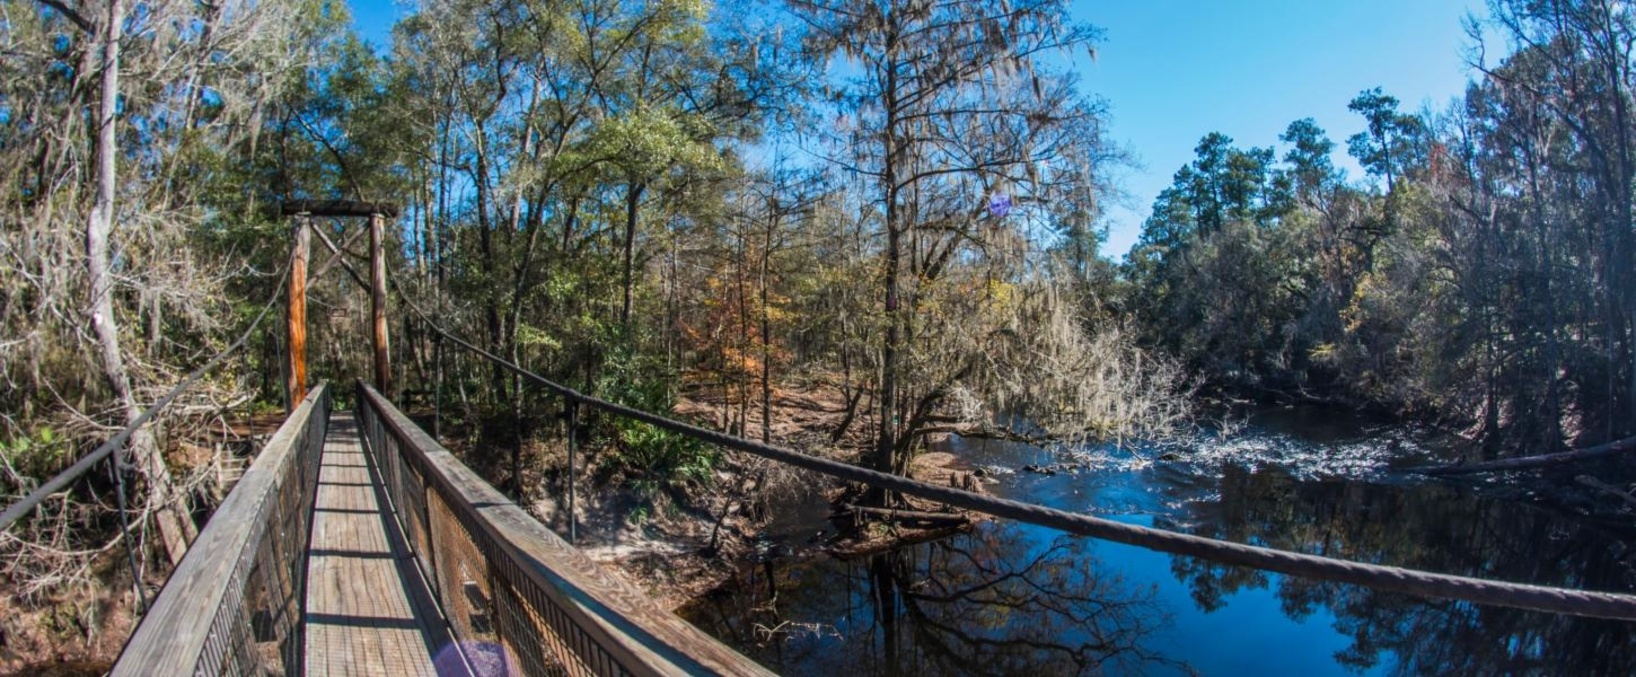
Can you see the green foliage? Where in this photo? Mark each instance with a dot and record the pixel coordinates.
(1310, 169)
(1392, 142)
(1281, 280)
(1222, 185)
(655, 463)
(647, 140)
(36, 455)
(947, 108)
(1465, 287)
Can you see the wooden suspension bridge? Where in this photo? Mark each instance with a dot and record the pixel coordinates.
(357, 544)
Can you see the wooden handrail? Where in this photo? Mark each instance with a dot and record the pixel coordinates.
(211, 614)
(628, 633)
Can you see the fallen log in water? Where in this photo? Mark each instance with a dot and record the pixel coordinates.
(1528, 462)
(935, 518)
(1594, 483)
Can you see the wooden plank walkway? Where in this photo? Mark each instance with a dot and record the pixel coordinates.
(369, 611)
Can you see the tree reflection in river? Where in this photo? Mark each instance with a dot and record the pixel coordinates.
(1430, 527)
(964, 605)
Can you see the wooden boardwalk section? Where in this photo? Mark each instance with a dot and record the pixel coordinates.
(306, 568)
(368, 611)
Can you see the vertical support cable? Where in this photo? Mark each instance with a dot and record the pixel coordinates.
(517, 434)
(141, 600)
(437, 387)
(573, 428)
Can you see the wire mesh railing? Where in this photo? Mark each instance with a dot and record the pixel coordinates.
(518, 598)
(233, 606)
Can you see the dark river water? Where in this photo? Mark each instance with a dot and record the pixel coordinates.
(1010, 599)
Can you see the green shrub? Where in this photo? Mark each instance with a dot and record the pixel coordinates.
(37, 455)
(652, 461)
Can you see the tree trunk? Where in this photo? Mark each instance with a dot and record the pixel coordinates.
(743, 334)
(884, 586)
(633, 199)
(1616, 62)
(174, 526)
(766, 336)
(1552, 435)
(485, 238)
(886, 437)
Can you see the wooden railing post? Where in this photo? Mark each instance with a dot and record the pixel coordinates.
(377, 302)
(296, 386)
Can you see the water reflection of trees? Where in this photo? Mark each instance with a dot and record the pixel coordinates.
(1429, 527)
(996, 601)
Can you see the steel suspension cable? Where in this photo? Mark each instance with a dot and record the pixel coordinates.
(1569, 601)
(16, 510)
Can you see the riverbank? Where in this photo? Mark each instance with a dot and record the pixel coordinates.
(754, 509)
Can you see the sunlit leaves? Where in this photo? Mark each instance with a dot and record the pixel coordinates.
(646, 141)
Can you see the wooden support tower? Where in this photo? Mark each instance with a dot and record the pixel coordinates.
(303, 211)
(377, 303)
(296, 387)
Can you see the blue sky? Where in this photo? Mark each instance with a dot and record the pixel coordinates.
(1175, 70)
(374, 18)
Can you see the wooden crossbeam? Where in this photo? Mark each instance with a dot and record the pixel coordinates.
(338, 208)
